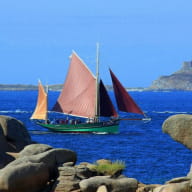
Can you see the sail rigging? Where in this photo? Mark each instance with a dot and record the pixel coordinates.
(124, 100)
(41, 106)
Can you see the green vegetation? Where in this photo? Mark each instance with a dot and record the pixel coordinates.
(108, 168)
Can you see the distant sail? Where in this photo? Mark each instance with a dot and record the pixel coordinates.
(124, 101)
(78, 96)
(41, 107)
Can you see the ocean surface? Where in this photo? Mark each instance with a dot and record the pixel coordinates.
(150, 155)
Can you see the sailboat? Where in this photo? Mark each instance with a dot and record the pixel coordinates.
(84, 96)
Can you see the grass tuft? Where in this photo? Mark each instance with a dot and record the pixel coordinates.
(109, 168)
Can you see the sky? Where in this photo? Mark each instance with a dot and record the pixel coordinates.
(139, 40)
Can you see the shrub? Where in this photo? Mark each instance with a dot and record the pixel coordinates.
(109, 168)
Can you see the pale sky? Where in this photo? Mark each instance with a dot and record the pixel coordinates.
(139, 40)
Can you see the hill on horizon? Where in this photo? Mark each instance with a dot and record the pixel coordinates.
(179, 80)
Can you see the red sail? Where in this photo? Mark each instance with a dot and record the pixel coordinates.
(78, 96)
(41, 107)
(106, 107)
(124, 101)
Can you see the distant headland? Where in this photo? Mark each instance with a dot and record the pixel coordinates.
(56, 87)
(179, 80)
(14, 87)
(22, 87)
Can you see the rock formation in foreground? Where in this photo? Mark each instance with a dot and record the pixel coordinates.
(179, 127)
(180, 80)
(42, 168)
(13, 138)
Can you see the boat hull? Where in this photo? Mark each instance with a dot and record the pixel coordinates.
(100, 127)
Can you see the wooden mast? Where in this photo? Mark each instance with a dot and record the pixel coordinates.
(97, 105)
(46, 117)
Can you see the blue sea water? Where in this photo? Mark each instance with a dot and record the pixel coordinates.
(150, 155)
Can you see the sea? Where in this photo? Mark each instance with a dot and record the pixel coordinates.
(150, 155)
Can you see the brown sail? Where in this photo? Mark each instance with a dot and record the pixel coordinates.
(41, 107)
(106, 107)
(78, 96)
(124, 100)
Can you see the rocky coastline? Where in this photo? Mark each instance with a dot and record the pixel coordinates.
(56, 87)
(177, 81)
(26, 166)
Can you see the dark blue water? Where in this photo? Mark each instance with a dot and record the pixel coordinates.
(150, 155)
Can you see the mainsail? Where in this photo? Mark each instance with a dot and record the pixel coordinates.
(124, 101)
(41, 107)
(79, 92)
(78, 96)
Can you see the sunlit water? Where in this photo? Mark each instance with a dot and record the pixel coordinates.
(150, 155)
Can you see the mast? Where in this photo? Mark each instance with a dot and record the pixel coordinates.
(97, 105)
(46, 116)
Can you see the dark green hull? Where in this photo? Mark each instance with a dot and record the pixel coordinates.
(101, 127)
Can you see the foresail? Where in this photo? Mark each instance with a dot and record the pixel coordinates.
(124, 100)
(78, 96)
(106, 107)
(41, 106)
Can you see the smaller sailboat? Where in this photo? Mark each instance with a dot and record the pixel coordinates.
(84, 96)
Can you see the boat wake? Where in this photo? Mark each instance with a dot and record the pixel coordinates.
(100, 133)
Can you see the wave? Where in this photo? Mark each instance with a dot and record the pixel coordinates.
(16, 111)
(39, 132)
(100, 133)
(123, 116)
(172, 112)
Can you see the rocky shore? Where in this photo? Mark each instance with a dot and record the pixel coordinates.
(26, 166)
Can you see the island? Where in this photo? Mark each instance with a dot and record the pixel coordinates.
(179, 80)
